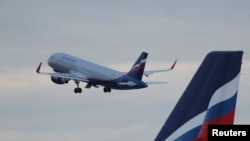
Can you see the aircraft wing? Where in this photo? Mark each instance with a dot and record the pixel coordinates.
(147, 73)
(72, 75)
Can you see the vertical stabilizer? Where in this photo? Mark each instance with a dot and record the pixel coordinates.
(210, 98)
(138, 68)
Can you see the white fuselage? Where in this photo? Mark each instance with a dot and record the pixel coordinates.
(65, 63)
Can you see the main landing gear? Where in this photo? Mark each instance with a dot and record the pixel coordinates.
(106, 90)
(77, 89)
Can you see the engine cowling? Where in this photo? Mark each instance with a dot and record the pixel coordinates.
(59, 80)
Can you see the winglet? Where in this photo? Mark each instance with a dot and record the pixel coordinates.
(38, 68)
(172, 67)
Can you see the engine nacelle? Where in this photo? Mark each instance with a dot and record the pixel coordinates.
(59, 80)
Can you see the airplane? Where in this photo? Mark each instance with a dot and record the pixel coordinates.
(67, 67)
(209, 99)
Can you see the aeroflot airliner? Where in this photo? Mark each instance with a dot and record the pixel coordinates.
(68, 67)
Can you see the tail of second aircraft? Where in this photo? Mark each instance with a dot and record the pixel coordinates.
(138, 68)
(210, 98)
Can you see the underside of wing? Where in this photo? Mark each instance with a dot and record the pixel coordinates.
(73, 76)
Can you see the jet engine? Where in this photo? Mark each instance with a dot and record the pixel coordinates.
(59, 80)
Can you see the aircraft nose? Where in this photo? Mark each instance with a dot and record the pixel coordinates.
(52, 59)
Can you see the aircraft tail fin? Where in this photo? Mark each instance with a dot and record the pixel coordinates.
(210, 98)
(138, 68)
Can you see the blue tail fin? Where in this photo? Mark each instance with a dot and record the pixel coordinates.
(138, 68)
(210, 98)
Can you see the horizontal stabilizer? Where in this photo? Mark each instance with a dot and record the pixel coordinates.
(151, 83)
(129, 83)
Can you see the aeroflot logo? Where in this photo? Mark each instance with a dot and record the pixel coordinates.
(137, 65)
(235, 132)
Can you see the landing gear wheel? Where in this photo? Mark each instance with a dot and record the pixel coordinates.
(78, 90)
(107, 90)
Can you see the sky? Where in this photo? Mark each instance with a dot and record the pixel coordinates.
(110, 33)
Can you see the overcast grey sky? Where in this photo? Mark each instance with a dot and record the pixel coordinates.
(111, 33)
